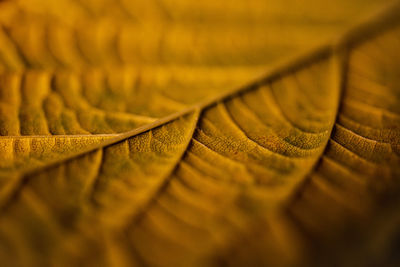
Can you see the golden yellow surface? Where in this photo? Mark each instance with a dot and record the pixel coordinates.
(128, 141)
(106, 67)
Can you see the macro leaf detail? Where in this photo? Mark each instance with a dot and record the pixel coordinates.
(284, 171)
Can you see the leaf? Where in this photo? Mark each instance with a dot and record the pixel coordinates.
(278, 168)
(96, 67)
(77, 34)
(283, 172)
(24, 151)
(149, 155)
(153, 160)
(91, 106)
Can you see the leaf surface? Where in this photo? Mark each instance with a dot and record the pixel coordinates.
(99, 67)
(278, 173)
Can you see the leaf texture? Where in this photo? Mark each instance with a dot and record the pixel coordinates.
(22, 152)
(282, 172)
(75, 34)
(260, 166)
(349, 203)
(147, 155)
(99, 67)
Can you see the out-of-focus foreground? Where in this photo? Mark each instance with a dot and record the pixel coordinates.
(148, 133)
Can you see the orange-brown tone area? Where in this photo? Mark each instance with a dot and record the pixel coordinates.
(199, 133)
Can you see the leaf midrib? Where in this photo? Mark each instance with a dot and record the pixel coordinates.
(367, 27)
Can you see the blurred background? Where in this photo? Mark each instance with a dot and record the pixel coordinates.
(169, 45)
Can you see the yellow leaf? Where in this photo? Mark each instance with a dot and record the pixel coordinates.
(96, 67)
(299, 165)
